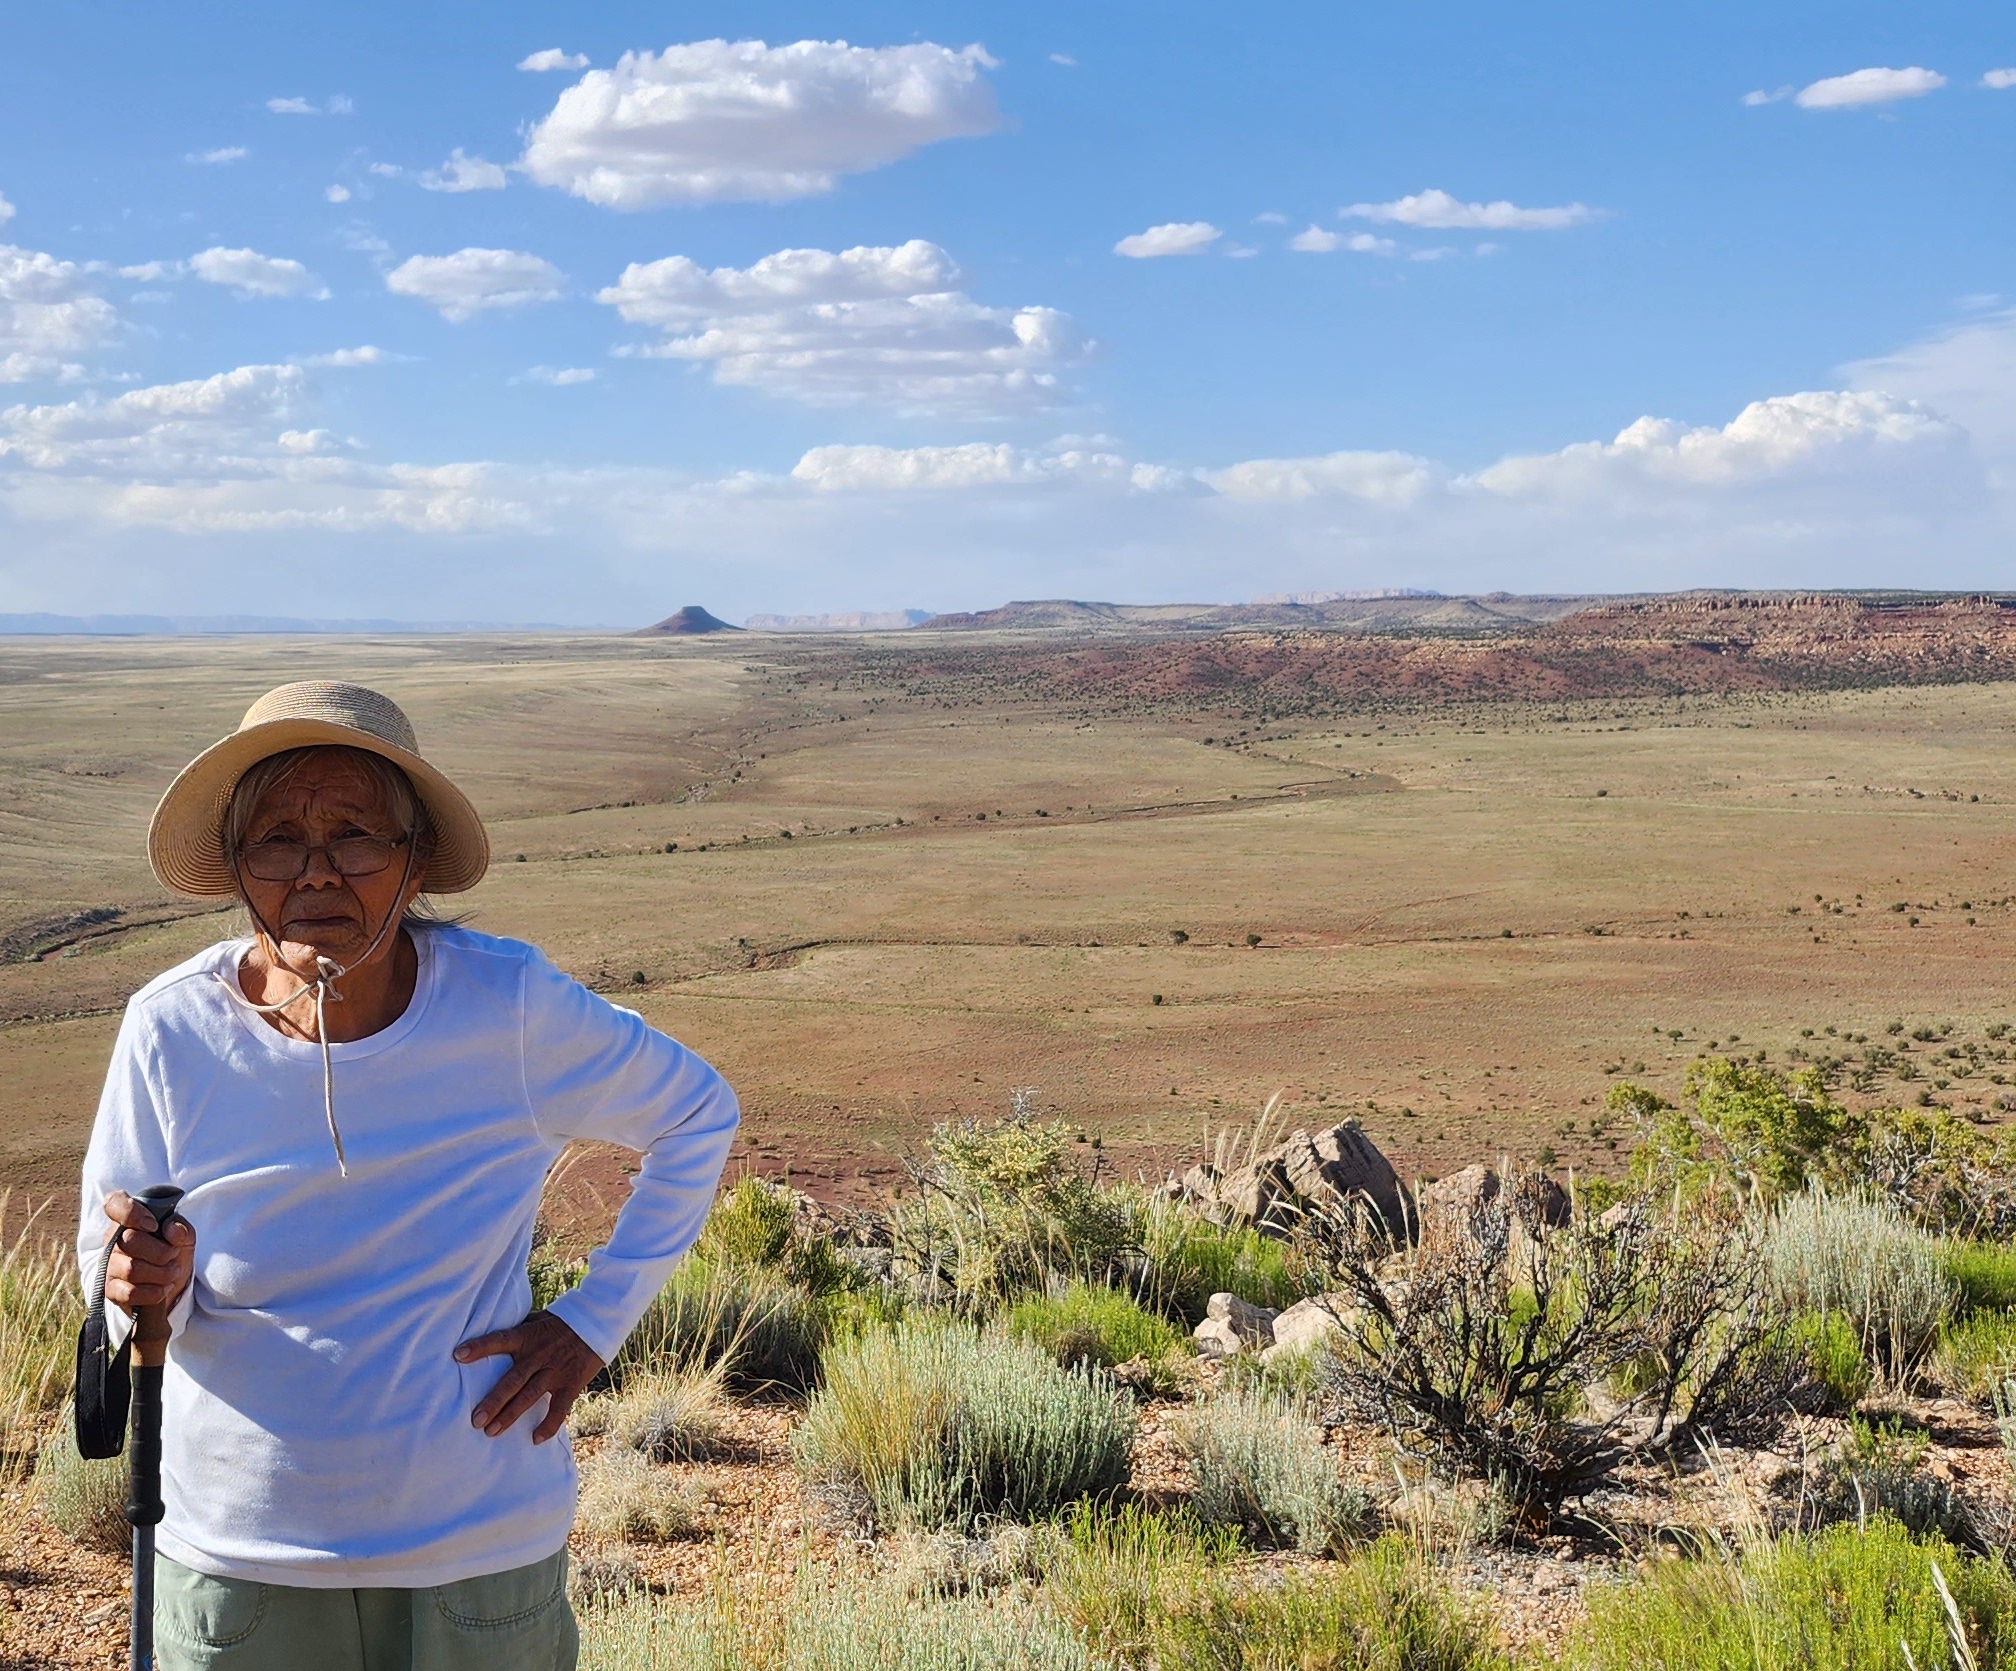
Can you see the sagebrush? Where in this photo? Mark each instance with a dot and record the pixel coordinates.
(932, 1424)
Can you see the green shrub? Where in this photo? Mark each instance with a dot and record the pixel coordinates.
(751, 1224)
(1844, 1600)
(1384, 1608)
(1834, 1349)
(754, 1227)
(624, 1498)
(1258, 1464)
(767, 1329)
(84, 1500)
(1001, 1211)
(1096, 1325)
(1975, 1353)
(1189, 1259)
(825, 1621)
(934, 1425)
(1858, 1257)
(1982, 1276)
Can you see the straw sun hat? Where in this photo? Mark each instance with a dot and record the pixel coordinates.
(185, 842)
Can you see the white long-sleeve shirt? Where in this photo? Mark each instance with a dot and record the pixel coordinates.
(315, 1425)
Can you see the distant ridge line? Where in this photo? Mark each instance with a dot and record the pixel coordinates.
(43, 624)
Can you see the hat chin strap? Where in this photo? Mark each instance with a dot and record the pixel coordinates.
(328, 973)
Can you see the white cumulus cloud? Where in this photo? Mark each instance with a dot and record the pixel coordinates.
(223, 154)
(464, 173)
(1186, 237)
(222, 454)
(473, 281)
(1871, 86)
(1761, 96)
(1835, 432)
(714, 121)
(557, 377)
(337, 104)
(1999, 80)
(976, 464)
(366, 355)
(1316, 240)
(47, 311)
(552, 58)
(1437, 209)
(1967, 372)
(245, 272)
(336, 194)
(1379, 478)
(6, 209)
(883, 325)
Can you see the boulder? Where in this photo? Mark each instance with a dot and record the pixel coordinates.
(1456, 1197)
(1308, 1323)
(1331, 1171)
(1448, 1205)
(1232, 1325)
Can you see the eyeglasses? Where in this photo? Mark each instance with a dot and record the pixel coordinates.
(287, 861)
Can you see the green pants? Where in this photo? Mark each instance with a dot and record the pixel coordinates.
(504, 1621)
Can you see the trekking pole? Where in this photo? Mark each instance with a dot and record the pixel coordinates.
(143, 1502)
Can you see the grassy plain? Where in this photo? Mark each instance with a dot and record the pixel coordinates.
(887, 907)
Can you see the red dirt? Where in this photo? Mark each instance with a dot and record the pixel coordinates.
(1660, 647)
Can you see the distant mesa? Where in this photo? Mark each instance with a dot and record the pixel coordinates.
(1394, 610)
(858, 620)
(690, 622)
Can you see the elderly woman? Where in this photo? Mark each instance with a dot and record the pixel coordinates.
(362, 1105)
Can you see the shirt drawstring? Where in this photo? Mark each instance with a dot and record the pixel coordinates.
(328, 973)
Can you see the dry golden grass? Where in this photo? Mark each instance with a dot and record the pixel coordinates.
(1464, 918)
(39, 1313)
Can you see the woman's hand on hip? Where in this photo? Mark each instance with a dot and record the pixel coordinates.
(146, 1269)
(548, 1360)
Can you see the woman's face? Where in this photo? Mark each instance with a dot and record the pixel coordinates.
(321, 912)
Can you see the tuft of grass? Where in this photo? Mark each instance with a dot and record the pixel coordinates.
(1847, 1599)
(1258, 1462)
(932, 1424)
(1385, 1607)
(84, 1500)
(40, 1310)
(1975, 1354)
(625, 1499)
(1115, 1575)
(668, 1415)
(1982, 1276)
(1190, 1259)
(1085, 1323)
(766, 1329)
(1858, 1257)
(826, 1620)
(1834, 1349)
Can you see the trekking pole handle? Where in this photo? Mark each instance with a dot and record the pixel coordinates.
(150, 1323)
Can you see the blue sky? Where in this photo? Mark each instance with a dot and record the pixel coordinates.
(1468, 297)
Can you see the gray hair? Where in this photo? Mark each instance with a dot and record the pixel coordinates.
(407, 810)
